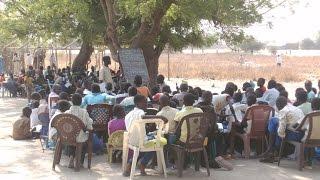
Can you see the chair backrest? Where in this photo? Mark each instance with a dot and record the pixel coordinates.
(68, 127)
(116, 139)
(100, 114)
(197, 129)
(137, 131)
(313, 121)
(259, 115)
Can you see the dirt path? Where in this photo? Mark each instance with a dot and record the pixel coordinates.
(25, 160)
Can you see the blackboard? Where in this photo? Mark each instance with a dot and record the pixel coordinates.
(132, 64)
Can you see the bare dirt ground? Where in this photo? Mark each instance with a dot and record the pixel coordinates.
(25, 160)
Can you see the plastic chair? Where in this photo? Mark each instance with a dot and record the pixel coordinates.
(100, 114)
(135, 140)
(259, 115)
(68, 128)
(115, 142)
(197, 129)
(313, 137)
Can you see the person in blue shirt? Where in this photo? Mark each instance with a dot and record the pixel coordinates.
(97, 97)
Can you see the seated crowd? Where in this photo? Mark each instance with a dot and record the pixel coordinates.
(226, 111)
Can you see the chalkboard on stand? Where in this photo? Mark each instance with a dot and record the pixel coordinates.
(132, 64)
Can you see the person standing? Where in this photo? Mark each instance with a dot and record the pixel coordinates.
(279, 60)
(105, 73)
(29, 60)
(16, 64)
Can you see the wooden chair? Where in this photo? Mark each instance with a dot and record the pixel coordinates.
(135, 139)
(259, 115)
(115, 142)
(197, 129)
(68, 128)
(101, 115)
(312, 140)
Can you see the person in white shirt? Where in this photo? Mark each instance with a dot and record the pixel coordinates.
(29, 60)
(271, 95)
(135, 115)
(129, 101)
(239, 110)
(83, 136)
(105, 73)
(281, 127)
(56, 89)
(279, 60)
(34, 120)
(167, 112)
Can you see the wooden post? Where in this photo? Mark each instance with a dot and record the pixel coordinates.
(70, 57)
(168, 64)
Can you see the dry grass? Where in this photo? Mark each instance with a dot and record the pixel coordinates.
(225, 66)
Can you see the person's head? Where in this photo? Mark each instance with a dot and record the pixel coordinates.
(35, 104)
(188, 99)
(56, 88)
(76, 99)
(315, 104)
(249, 90)
(138, 80)
(35, 96)
(184, 87)
(132, 91)
(48, 67)
(280, 87)
(155, 90)
(281, 102)
(237, 97)
(302, 96)
(126, 87)
(261, 82)
(160, 79)
(109, 87)
(79, 91)
(198, 90)
(166, 89)
(95, 88)
(63, 105)
(230, 88)
(308, 85)
(164, 101)
(106, 60)
(245, 86)
(251, 99)
(92, 68)
(284, 93)
(140, 102)
(64, 96)
(207, 97)
(272, 84)
(118, 112)
(26, 112)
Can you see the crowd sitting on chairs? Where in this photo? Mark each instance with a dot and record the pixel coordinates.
(219, 125)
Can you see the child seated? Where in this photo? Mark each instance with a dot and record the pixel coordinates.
(21, 127)
(117, 123)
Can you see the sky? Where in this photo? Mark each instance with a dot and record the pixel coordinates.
(289, 26)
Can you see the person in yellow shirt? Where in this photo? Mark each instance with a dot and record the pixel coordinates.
(187, 109)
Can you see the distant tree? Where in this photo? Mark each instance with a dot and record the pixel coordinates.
(251, 44)
(308, 44)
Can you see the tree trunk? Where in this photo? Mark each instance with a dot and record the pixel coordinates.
(152, 62)
(80, 62)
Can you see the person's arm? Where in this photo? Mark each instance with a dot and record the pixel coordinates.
(101, 75)
(84, 102)
(89, 122)
(282, 124)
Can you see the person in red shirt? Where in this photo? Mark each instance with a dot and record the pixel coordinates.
(261, 88)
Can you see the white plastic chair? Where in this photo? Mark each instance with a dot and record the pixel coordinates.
(137, 143)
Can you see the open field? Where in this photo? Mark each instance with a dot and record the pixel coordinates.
(226, 66)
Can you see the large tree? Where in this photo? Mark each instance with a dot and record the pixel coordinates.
(152, 24)
(59, 22)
